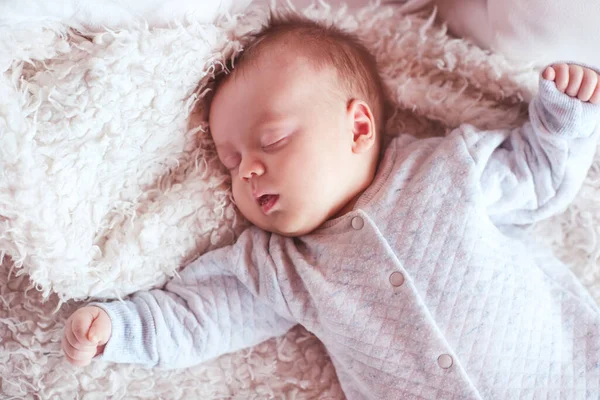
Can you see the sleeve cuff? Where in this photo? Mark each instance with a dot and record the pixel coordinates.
(130, 340)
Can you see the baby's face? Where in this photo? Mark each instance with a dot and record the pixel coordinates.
(286, 138)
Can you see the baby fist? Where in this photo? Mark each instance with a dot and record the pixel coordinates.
(576, 81)
(86, 332)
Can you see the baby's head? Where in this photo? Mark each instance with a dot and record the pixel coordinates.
(298, 124)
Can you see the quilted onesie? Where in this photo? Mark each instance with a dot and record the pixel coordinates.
(428, 288)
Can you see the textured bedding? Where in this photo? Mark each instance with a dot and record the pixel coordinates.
(109, 183)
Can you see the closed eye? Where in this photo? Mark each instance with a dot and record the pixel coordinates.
(277, 144)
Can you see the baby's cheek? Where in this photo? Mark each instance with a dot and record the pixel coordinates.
(237, 198)
(246, 205)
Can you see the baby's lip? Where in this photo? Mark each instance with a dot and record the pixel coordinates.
(262, 198)
(269, 202)
(257, 194)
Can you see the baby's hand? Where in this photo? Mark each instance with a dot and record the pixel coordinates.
(576, 81)
(86, 332)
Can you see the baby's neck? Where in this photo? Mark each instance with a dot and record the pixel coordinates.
(349, 206)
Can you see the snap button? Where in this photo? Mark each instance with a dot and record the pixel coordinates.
(445, 361)
(357, 223)
(396, 279)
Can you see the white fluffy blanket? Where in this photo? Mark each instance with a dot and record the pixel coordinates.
(109, 183)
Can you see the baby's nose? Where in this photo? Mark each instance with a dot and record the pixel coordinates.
(252, 170)
(247, 177)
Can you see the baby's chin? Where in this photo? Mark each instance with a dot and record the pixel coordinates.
(285, 226)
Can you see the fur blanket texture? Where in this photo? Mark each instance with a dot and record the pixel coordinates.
(109, 183)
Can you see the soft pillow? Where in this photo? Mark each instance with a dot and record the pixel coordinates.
(115, 14)
(537, 31)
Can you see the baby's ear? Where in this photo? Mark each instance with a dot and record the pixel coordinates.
(363, 125)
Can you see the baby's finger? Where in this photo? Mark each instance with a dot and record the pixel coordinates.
(595, 99)
(549, 74)
(588, 84)
(562, 76)
(72, 340)
(575, 78)
(78, 363)
(80, 324)
(76, 354)
(100, 331)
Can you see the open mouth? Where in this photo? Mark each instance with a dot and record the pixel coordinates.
(267, 201)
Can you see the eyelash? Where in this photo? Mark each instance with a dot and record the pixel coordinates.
(276, 144)
(270, 147)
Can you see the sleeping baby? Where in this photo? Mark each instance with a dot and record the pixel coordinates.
(406, 257)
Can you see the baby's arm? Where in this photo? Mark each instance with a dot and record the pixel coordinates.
(206, 312)
(535, 171)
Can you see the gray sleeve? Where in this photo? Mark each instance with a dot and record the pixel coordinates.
(207, 311)
(535, 171)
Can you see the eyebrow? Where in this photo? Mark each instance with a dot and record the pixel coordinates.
(271, 121)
